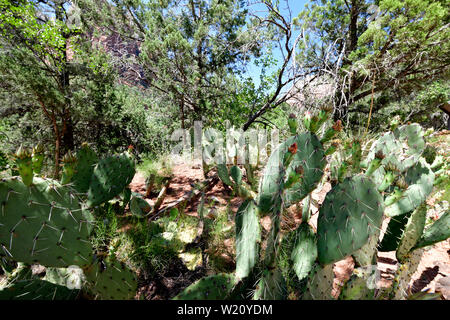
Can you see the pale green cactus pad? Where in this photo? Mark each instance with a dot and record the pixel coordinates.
(248, 236)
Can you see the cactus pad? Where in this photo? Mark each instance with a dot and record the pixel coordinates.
(35, 289)
(216, 287)
(402, 147)
(420, 179)
(310, 156)
(351, 212)
(247, 238)
(438, 231)
(222, 171)
(86, 160)
(271, 286)
(413, 231)
(43, 224)
(111, 280)
(236, 174)
(110, 176)
(304, 251)
(138, 206)
(320, 284)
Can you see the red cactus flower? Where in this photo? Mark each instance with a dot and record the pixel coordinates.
(337, 126)
(293, 148)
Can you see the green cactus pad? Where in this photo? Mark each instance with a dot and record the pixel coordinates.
(126, 196)
(404, 273)
(351, 212)
(367, 254)
(310, 155)
(413, 135)
(394, 232)
(138, 206)
(271, 286)
(43, 224)
(304, 251)
(438, 231)
(320, 284)
(248, 236)
(216, 287)
(394, 144)
(413, 231)
(222, 171)
(236, 174)
(86, 160)
(429, 154)
(110, 176)
(356, 289)
(37, 290)
(420, 179)
(24, 165)
(111, 280)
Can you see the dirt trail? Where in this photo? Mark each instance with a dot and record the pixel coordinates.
(185, 176)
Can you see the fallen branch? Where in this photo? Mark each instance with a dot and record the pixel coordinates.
(189, 197)
(161, 196)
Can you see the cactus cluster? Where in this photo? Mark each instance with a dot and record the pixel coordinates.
(48, 222)
(390, 181)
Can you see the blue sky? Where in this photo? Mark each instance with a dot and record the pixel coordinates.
(296, 7)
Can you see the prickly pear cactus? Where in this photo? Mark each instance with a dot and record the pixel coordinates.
(320, 283)
(350, 214)
(309, 156)
(222, 171)
(248, 237)
(86, 160)
(402, 148)
(24, 165)
(413, 135)
(420, 179)
(412, 233)
(43, 223)
(69, 162)
(404, 273)
(271, 286)
(367, 254)
(356, 288)
(36, 289)
(37, 158)
(236, 174)
(216, 287)
(110, 176)
(109, 279)
(304, 251)
(438, 231)
(138, 206)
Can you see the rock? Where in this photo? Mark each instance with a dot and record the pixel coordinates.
(443, 286)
